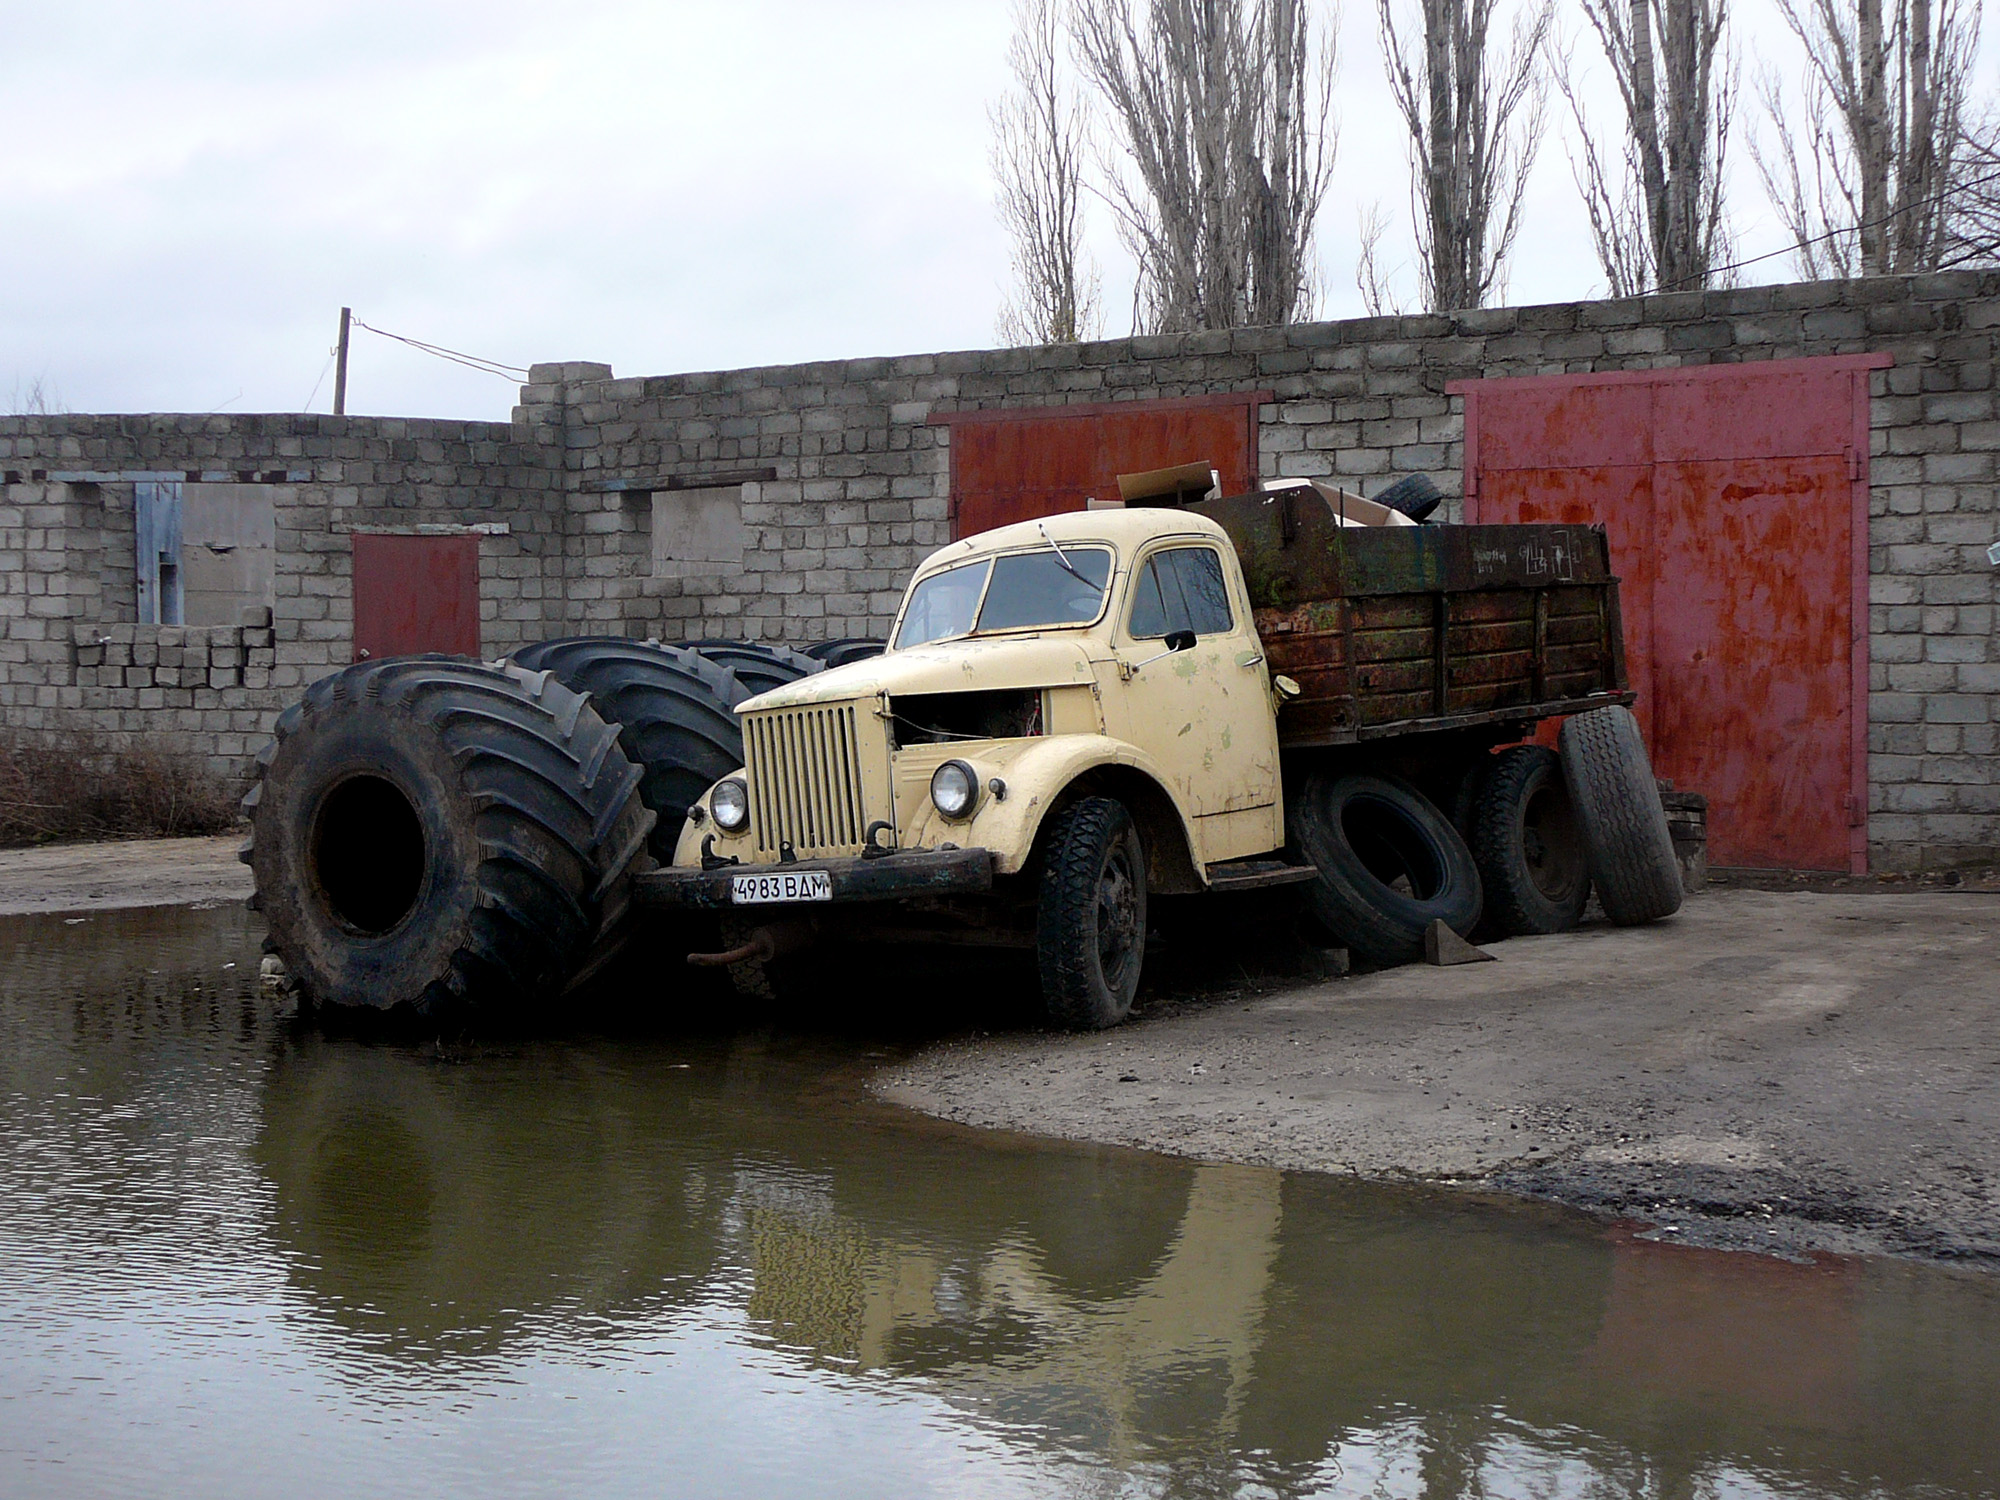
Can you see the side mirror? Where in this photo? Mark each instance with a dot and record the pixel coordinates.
(1175, 640)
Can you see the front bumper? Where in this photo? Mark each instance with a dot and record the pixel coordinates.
(892, 877)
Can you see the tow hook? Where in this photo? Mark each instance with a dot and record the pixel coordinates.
(772, 940)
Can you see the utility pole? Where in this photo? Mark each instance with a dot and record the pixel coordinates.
(340, 365)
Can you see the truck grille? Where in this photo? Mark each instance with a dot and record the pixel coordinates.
(806, 782)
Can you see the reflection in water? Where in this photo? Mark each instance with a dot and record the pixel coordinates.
(239, 1258)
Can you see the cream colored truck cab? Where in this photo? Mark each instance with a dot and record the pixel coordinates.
(1074, 711)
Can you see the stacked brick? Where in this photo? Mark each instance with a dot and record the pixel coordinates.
(184, 661)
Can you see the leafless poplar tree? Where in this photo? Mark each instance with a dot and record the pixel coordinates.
(1872, 180)
(1040, 142)
(1224, 112)
(1475, 121)
(1656, 214)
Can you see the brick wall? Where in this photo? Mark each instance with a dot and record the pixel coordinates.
(71, 654)
(860, 493)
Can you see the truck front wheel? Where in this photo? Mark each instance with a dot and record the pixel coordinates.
(1090, 929)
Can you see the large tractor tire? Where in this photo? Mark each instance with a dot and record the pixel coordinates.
(1618, 807)
(1090, 926)
(1526, 840)
(848, 648)
(434, 833)
(1389, 863)
(758, 666)
(674, 710)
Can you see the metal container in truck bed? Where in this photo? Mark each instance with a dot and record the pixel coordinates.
(1396, 630)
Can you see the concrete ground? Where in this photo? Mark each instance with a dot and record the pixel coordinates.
(112, 876)
(1778, 1070)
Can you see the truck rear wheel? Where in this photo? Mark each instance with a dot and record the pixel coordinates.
(1389, 863)
(674, 711)
(1090, 926)
(437, 833)
(1526, 842)
(1618, 807)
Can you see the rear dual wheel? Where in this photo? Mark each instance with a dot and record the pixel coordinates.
(1528, 844)
(1389, 865)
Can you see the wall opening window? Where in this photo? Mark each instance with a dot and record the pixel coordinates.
(700, 532)
(203, 551)
(229, 540)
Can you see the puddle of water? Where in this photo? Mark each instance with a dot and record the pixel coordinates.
(241, 1259)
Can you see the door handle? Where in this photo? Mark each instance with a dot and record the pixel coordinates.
(1249, 658)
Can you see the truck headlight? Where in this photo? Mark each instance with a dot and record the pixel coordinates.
(730, 802)
(954, 789)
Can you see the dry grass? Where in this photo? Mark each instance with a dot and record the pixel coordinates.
(78, 786)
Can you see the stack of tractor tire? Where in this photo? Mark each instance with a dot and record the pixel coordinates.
(1531, 833)
(447, 837)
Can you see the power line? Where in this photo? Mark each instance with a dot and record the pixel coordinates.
(456, 356)
(331, 354)
(1833, 234)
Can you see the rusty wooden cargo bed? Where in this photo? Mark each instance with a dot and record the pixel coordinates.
(1395, 630)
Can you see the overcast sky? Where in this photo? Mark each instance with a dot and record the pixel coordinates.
(191, 189)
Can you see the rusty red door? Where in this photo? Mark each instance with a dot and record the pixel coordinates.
(415, 593)
(1735, 497)
(1011, 465)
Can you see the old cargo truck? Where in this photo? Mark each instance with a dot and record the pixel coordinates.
(1290, 687)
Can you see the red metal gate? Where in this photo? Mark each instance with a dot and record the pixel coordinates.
(1011, 465)
(1736, 499)
(415, 593)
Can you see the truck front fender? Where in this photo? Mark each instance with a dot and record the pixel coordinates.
(1040, 776)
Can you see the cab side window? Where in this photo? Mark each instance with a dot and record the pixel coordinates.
(1181, 589)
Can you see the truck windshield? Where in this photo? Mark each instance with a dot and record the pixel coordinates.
(1015, 592)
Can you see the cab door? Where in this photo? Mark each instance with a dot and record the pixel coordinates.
(1204, 714)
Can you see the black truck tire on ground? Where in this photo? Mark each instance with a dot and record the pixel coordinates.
(848, 648)
(437, 833)
(1618, 807)
(759, 666)
(674, 711)
(1364, 832)
(1533, 867)
(1090, 925)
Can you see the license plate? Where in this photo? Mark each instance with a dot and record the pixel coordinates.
(785, 885)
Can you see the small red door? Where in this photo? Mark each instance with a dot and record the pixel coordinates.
(1735, 500)
(1013, 465)
(415, 594)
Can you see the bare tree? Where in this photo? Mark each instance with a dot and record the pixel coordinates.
(1972, 225)
(1475, 122)
(39, 400)
(1872, 182)
(1656, 208)
(1377, 296)
(1040, 142)
(1224, 112)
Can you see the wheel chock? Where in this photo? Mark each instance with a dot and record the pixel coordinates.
(1443, 947)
